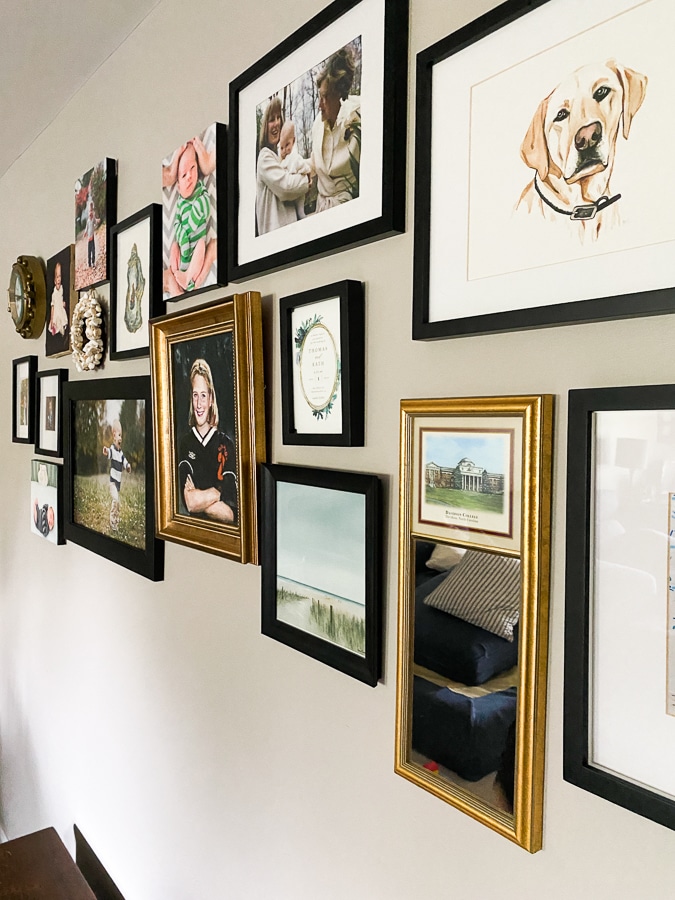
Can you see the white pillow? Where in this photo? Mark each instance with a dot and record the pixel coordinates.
(445, 557)
(483, 589)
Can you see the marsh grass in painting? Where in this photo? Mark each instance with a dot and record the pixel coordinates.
(333, 618)
(321, 568)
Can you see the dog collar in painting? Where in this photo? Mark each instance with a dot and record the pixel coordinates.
(582, 212)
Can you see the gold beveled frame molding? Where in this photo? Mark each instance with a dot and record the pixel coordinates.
(524, 826)
(239, 314)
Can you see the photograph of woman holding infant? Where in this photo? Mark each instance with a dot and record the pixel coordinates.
(309, 142)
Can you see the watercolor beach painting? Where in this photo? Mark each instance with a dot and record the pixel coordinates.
(333, 618)
(321, 581)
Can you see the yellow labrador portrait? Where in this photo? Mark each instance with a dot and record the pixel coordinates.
(571, 145)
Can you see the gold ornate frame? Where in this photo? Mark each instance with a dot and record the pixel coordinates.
(240, 316)
(28, 308)
(533, 417)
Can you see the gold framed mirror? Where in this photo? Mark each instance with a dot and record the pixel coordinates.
(474, 548)
(27, 297)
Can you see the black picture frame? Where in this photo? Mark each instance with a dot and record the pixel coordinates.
(146, 559)
(385, 216)
(595, 556)
(434, 294)
(46, 514)
(365, 666)
(214, 139)
(57, 342)
(100, 273)
(150, 257)
(342, 360)
(23, 399)
(48, 415)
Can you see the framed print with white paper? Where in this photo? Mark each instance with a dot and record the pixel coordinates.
(135, 284)
(322, 365)
(554, 214)
(467, 475)
(619, 734)
(303, 181)
(23, 399)
(48, 427)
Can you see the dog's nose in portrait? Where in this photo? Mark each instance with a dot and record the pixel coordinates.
(588, 137)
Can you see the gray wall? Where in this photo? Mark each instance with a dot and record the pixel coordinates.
(199, 758)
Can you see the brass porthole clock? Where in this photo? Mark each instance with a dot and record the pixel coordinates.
(27, 296)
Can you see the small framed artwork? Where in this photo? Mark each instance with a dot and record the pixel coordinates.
(209, 420)
(110, 462)
(194, 180)
(61, 300)
(46, 500)
(619, 718)
(135, 286)
(322, 365)
(467, 473)
(321, 558)
(571, 230)
(95, 213)
(23, 399)
(303, 183)
(48, 428)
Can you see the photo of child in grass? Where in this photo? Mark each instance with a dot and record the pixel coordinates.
(109, 462)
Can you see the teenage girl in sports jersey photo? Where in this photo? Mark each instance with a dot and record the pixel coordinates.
(207, 471)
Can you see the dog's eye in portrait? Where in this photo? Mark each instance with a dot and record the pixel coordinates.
(561, 115)
(601, 93)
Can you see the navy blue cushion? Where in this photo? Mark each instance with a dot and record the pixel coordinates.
(457, 649)
(465, 734)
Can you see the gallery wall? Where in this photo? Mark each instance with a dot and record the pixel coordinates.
(199, 758)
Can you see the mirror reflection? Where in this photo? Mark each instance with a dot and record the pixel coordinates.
(473, 607)
(465, 668)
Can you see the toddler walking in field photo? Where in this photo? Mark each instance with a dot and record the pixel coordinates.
(118, 464)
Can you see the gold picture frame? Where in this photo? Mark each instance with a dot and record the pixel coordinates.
(473, 608)
(209, 424)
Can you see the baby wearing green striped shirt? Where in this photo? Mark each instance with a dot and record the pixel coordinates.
(193, 208)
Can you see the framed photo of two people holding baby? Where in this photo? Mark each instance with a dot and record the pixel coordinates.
(318, 139)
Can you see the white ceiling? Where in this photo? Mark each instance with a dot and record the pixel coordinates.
(48, 50)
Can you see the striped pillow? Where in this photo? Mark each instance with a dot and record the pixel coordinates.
(484, 590)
